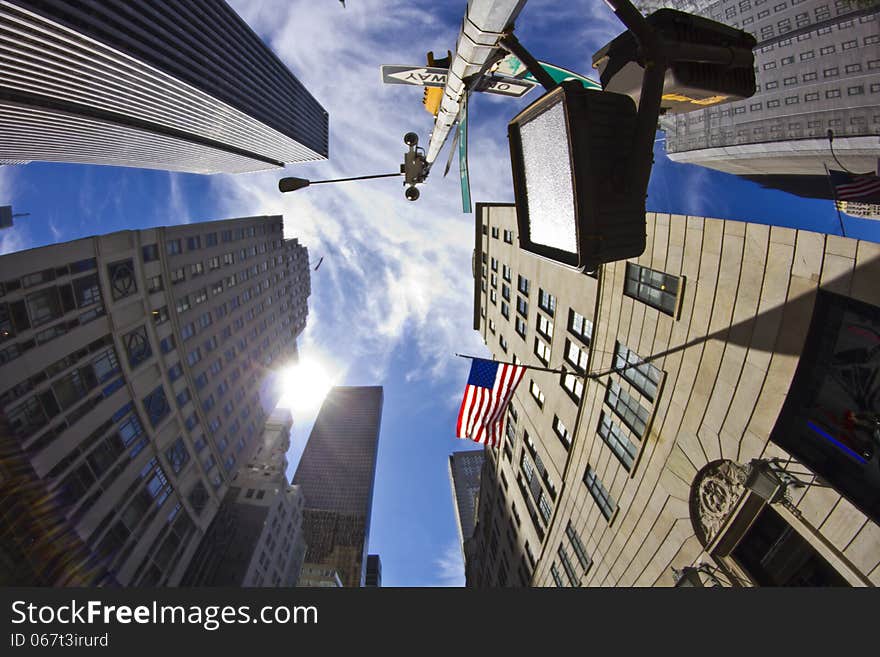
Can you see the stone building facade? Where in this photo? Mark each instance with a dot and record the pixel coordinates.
(728, 355)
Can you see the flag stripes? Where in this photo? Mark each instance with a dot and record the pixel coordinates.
(849, 187)
(488, 391)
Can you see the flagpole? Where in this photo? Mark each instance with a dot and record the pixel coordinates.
(529, 367)
(836, 201)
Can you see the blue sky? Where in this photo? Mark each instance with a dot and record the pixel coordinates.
(393, 299)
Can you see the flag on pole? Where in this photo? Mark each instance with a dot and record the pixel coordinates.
(488, 391)
(855, 187)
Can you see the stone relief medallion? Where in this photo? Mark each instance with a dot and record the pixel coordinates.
(715, 492)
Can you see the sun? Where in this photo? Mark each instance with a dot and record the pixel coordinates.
(303, 386)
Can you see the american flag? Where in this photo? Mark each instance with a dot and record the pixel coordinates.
(489, 388)
(855, 187)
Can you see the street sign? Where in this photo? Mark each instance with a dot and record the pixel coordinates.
(511, 66)
(506, 86)
(422, 76)
(426, 76)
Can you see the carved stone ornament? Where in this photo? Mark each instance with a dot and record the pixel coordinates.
(715, 493)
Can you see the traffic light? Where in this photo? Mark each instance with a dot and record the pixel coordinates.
(692, 83)
(433, 95)
(431, 99)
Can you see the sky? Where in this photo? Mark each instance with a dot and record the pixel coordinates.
(392, 301)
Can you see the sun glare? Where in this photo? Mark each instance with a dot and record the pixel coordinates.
(304, 385)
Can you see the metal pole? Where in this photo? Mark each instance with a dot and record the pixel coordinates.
(652, 89)
(335, 180)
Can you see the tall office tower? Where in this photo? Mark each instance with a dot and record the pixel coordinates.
(130, 374)
(374, 571)
(866, 210)
(464, 478)
(731, 362)
(817, 68)
(183, 86)
(253, 540)
(336, 473)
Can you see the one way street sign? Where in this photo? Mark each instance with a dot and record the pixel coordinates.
(425, 76)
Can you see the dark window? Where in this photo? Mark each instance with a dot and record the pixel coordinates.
(177, 455)
(655, 288)
(122, 280)
(603, 499)
(774, 554)
(624, 449)
(150, 252)
(137, 346)
(156, 406)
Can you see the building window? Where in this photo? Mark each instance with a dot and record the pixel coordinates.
(578, 547)
(122, 281)
(856, 91)
(137, 346)
(556, 578)
(544, 327)
(150, 252)
(536, 393)
(624, 449)
(494, 231)
(494, 264)
(628, 408)
(546, 302)
(566, 566)
(193, 243)
(172, 247)
(505, 272)
(508, 236)
(505, 291)
(522, 284)
(561, 431)
(573, 385)
(831, 72)
(493, 297)
(542, 351)
(156, 406)
(505, 310)
(580, 326)
(809, 77)
(576, 356)
(603, 499)
(522, 307)
(503, 342)
(177, 455)
(832, 93)
(521, 327)
(655, 288)
(154, 284)
(644, 376)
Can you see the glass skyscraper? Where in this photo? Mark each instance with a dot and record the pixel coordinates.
(336, 474)
(183, 86)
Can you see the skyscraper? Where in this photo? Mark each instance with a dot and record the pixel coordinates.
(464, 478)
(336, 473)
(732, 369)
(817, 68)
(132, 367)
(184, 86)
(254, 538)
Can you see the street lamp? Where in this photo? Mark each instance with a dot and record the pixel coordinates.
(581, 159)
(413, 169)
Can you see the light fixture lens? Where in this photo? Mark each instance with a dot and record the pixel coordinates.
(549, 193)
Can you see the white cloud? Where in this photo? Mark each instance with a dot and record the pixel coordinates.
(450, 566)
(392, 269)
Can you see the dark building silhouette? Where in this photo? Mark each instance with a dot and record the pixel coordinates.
(336, 474)
(374, 571)
(183, 85)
